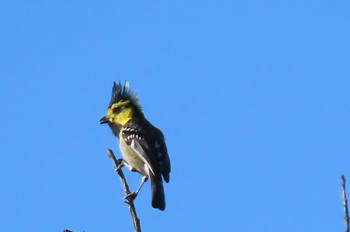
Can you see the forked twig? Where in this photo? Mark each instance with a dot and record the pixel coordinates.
(117, 167)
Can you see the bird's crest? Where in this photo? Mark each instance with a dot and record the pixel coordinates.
(123, 93)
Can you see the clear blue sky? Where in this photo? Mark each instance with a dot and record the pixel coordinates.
(252, 96)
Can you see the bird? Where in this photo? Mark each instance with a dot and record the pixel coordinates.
(142, 145)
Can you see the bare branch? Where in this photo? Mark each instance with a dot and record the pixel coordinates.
(345, 204)
(117, 167)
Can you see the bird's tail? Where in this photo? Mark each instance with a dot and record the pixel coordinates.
(158, 198)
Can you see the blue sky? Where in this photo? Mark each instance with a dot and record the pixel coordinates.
(253, 98)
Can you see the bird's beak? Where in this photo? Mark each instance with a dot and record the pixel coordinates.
(104, 119)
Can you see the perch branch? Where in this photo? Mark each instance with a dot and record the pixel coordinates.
(345, 204)
(117, 167)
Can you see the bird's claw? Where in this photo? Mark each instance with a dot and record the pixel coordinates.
(130, 197)
(120, 163)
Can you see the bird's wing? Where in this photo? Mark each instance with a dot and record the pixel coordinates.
(135, 140)
(161, 152)
(151, 149)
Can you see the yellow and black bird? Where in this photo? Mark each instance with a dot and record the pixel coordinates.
(142, 144)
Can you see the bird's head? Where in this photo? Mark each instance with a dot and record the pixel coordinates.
(122, 107)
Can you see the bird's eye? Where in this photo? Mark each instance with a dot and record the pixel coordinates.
(117, 110)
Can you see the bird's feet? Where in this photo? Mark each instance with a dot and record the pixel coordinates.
(130, 197)
(121, 163)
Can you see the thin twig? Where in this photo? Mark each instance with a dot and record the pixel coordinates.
(345, 204)
(117, 164)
